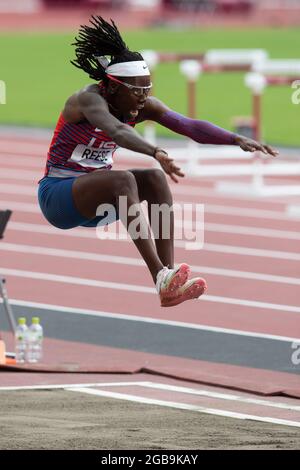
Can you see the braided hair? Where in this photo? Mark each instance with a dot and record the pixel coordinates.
(97, 41)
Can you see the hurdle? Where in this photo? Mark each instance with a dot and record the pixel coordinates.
(193, 65)
(269, 73)
(262, 72)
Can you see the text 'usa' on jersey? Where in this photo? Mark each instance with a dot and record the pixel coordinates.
(79, 148)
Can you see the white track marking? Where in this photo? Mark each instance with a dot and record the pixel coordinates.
(62, 386)
(156, 321)
(187, 190)
(245, 251)
(208, 227)
(21, 206)
(183, 406)
(77, 281)
(250, 303)
(80, 255)
(221, 396)
(247, 212)
(138, 262)
(215, 248)
(235, 211)
(142, 289)
(24, 175)
(249, 231)
(162, 386)
(18, 189)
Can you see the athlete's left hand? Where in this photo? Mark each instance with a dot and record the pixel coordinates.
(250, 145)
(168, 165)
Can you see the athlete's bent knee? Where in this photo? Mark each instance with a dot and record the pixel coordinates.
(125, 183)
(155, 177)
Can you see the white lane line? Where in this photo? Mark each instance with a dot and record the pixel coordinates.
(156, 321)
(248, 212)
(183, 406)
(88, 233)
(187, 190)
(62, 386)
(82, 255)
(27, 175)
(293, 210)
(249, 231)
(80, 281)
(142, 289)
(18, 189)
(209, 208)
(235, 211)
(21, 206)
(138, 262)
(39, 147)
(221, 396)
(251, 303)
(245, 251)
(184, 190)
(162, 386)
(208, 226)
(246, 275)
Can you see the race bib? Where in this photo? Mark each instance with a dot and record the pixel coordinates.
(94, 157)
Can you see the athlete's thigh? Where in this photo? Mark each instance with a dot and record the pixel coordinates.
(93, 189)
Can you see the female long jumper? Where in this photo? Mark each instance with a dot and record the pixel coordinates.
(96, 121)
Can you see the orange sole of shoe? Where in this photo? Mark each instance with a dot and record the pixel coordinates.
(179, 280)
(192, 292)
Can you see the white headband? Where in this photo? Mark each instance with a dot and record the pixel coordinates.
(137, 68)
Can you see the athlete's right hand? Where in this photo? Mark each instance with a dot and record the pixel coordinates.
(168, 165)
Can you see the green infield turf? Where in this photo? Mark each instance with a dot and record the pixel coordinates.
(39, 77)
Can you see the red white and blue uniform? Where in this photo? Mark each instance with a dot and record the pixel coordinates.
(79, 148)
(75, 150)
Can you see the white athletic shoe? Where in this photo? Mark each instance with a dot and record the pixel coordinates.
(168, 281)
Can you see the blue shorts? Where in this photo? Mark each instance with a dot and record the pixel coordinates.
(57, 204)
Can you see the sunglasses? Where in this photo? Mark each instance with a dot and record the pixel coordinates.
(136, 90)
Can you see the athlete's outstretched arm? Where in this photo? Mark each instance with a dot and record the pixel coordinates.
(203, 132)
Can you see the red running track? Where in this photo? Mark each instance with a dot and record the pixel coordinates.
(250, 257)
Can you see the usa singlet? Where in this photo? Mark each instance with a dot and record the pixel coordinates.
(79, 148)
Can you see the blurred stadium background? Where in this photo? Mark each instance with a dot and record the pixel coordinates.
(36, 48)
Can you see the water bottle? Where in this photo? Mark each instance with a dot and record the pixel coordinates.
(21, 341)
(35, 341)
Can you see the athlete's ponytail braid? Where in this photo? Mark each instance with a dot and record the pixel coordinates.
(96, 42)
